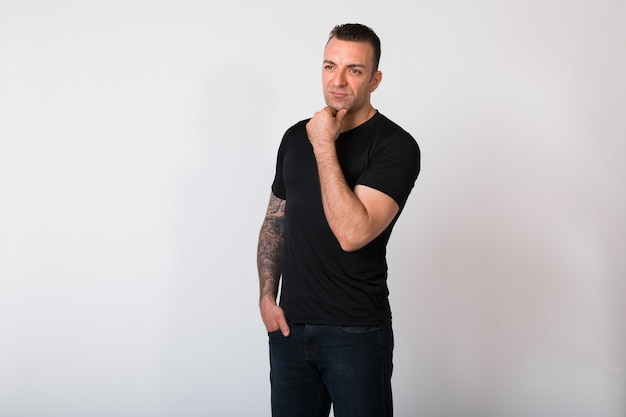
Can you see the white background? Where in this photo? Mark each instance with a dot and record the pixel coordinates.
(137, 146)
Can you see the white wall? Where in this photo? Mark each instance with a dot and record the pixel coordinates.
(137, 145)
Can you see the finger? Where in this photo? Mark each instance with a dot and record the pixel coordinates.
(284, 327)
(330, 110)
(340, 115)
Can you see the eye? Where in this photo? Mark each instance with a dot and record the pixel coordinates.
(328, 66)
(355, 71)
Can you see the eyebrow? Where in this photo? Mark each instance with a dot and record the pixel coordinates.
(327, 61)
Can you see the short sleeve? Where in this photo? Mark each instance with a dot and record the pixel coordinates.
(394, 167)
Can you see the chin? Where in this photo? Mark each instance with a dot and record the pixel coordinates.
(338, 107)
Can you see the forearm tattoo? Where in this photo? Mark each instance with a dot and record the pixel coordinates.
(270, 249)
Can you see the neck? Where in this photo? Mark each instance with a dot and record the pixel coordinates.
(356, 119)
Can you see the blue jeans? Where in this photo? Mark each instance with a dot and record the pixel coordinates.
(348, 366)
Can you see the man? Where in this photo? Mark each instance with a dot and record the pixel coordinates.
(342, 179)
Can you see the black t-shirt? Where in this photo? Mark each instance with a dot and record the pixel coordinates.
(321, 283)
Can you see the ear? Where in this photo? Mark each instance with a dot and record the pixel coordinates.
(376, 79)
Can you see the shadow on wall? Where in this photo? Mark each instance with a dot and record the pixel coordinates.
(515, 311)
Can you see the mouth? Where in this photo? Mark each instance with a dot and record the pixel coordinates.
(338, 95)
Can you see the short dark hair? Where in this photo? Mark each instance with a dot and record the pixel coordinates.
(356, 32)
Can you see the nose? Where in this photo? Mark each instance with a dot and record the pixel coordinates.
(339, 78)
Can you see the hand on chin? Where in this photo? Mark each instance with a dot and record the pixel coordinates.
(337, 107)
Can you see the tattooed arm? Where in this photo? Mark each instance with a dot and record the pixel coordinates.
(269, 264)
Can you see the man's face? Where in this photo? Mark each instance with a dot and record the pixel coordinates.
(348, 75)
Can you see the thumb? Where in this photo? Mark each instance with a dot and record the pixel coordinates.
(284, 327)
(340, 115)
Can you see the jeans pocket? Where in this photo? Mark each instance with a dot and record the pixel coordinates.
(274, 333)
(359, 329)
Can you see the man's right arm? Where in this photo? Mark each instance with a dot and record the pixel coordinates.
(269, 265)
